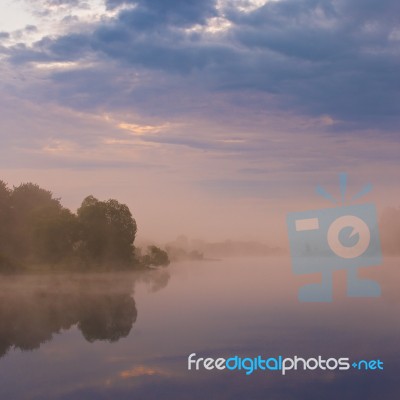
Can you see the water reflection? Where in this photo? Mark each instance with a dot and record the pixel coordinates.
(34, 308)
(117, 346)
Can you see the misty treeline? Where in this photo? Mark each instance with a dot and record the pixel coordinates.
(37, 231)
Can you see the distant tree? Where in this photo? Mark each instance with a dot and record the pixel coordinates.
(108, 231)
(155, 257)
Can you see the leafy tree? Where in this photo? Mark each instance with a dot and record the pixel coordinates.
(44, 231)
(5, 220)
(36, 230)
(108, 231)
(55, 235)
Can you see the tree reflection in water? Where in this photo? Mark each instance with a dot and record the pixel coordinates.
(102, 306)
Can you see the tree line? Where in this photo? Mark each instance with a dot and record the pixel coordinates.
(37, 231)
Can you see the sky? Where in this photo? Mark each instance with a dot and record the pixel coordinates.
(208, 118)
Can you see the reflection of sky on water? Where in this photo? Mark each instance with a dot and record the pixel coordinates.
(244, 307)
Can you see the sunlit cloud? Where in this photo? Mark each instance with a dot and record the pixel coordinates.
(231, 141)
(57, 65)
(124, 143)
(246, 5)
(59, 146)
(138, 129)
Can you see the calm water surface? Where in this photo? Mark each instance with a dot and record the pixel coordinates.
(128, 336)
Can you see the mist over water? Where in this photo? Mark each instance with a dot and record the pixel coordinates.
(34, 308)
(129, 335)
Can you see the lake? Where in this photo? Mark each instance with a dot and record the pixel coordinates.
(128, 336)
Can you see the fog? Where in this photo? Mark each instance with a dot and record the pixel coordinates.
(34, 308)
(165, 210)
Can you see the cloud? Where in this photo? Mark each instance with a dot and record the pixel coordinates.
(66, 4)
(63, 2)
(151, 13)
(314, 57)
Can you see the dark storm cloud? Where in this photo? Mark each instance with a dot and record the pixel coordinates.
(315, 56)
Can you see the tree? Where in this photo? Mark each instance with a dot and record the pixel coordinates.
(155, 257)
(37, 231)
(7, 263)
(5, 221)
(55, 235)
(108, 231)
(44, 231)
